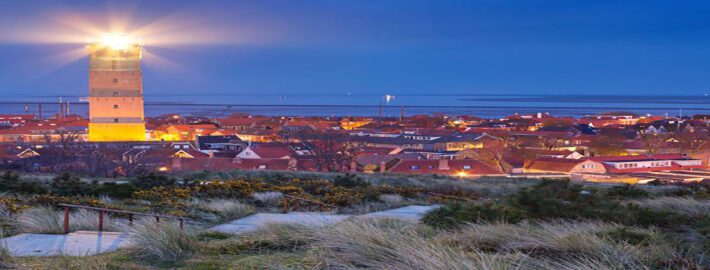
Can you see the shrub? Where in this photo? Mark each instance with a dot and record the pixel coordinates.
(120, 191)
(350, 180)
(151, 180)
(171, 200)
(10, 181)
(626, 191)
(162, 241)
(66, 184)
(456, 214)
(239, 189)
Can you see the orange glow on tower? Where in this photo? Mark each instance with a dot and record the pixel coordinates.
(116, 90)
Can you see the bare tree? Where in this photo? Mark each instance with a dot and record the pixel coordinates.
(332, 152)
(652, 141)
(692, 141)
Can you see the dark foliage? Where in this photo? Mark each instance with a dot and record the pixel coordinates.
(66, 185)
(10, 181)
(350, 180)
(151, 180)
(560, 199)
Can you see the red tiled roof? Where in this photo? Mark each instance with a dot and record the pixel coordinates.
(224, 164)
(432, 166)
(553, 164)
(271, 150)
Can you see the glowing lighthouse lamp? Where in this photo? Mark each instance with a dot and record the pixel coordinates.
(117, 41)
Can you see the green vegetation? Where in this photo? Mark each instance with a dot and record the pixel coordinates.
(488, 223)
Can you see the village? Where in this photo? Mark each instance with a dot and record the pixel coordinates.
(609, 147)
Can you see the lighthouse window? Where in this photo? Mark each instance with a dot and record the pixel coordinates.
(115, 106)
(115, 120)
(115, 80)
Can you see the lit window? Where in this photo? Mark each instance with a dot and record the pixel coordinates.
(466, 167)
(414, 167)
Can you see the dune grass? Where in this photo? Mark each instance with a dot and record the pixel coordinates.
(163, 241)
(228, 209)
(682, 205)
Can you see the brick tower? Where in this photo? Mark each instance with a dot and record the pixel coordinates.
(116, 91)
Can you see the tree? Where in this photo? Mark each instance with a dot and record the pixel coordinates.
(652, 141)
(331, 152)
(692, 141)
(603, 145)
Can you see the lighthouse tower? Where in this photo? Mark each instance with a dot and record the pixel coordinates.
(116, 90)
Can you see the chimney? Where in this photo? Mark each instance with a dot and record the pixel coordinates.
(177, 163)
(293, 164)
(444, 164)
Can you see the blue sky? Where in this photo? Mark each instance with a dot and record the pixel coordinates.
(374, 47)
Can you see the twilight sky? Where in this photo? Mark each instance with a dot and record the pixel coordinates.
(400, 47)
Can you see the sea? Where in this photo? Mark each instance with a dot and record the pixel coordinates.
(486, 106)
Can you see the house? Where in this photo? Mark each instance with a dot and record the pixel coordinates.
(226, 164)
(211, 144)
(461, 141)
(179, 132)
(563, 165)
(461, 167)
(267, 151)
(648, 163)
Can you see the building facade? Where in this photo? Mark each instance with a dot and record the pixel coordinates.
(116, 93)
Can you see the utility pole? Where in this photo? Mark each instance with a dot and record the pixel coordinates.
(401, 113)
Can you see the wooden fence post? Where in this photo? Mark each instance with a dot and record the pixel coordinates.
(101, 220)
(66, 219)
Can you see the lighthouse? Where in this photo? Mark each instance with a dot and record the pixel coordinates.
(116, 111)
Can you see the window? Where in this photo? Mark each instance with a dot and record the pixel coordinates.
(414, 167)
(115, 120)
(115, 94)
(466, 167)
(115, 106)
(115, 80)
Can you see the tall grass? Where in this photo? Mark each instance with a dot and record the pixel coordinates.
(569, 243)
(228, 208)
(6, 260)
(48, 220)
(397, 244)
(681, 205)
(271, 198)
(164, 241)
